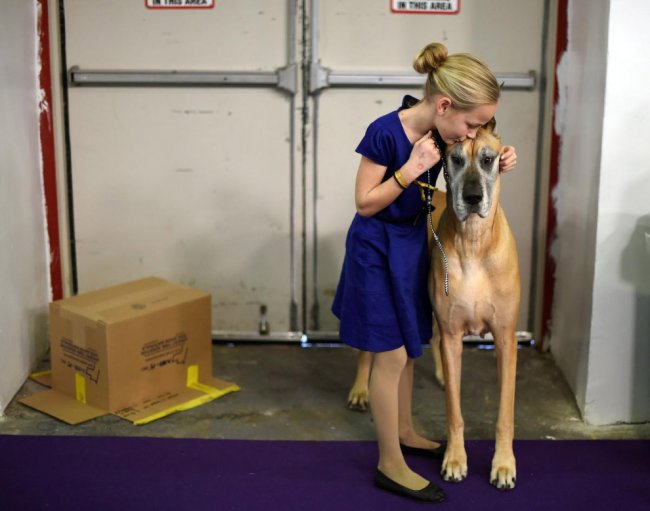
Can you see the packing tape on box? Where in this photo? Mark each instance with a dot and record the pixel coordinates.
(80, 387)
(193, 383)
(80, 324)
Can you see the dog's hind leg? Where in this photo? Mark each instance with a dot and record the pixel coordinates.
(359, 393)
(454, 464)
(504, 471)
(436, 355)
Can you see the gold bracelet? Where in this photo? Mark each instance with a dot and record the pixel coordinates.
(400, 180)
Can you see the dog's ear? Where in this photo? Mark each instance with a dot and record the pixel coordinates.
(491, 125)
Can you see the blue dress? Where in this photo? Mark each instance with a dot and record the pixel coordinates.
(381, 299)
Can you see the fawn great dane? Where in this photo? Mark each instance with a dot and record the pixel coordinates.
(481, 265)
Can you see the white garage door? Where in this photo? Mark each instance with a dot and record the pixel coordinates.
(187, 129)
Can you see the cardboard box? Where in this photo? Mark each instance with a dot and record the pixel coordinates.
(140, 350)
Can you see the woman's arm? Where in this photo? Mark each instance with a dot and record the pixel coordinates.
(371, 195)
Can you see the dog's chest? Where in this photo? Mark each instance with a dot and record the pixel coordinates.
(471, 304)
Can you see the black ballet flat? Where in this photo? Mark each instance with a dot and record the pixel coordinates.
(438, 453)
(430, 493)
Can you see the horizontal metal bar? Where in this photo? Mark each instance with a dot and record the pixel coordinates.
(507, 81)
(331, 337)
(522, 337)
(282, 78)
(525, 81)
(98, 77)
(254, 336)
(376, 80)
(323, 78)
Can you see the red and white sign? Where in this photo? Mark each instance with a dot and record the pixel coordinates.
(425, 6)
(179, 4)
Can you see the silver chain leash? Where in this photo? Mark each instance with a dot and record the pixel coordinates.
(429, 196)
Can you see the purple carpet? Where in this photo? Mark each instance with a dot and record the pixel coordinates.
(111, 473)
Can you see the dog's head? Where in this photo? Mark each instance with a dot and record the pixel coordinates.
(473, 168)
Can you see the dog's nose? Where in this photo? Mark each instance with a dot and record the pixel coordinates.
(472, 193)
(472, 198)
(472, 190)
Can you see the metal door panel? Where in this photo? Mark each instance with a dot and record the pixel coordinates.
(124, 34)
(193, 184)
(364, 34)
(177, 184)
(198, 184)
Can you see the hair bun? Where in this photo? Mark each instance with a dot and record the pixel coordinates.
(431, 57)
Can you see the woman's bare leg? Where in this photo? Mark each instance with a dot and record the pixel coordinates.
(407, 434)
(387, 372)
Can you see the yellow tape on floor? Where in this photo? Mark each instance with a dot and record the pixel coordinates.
(193, 383)
(41, 373)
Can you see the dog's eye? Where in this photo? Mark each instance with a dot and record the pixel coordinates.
(456, 160)
(487, 161)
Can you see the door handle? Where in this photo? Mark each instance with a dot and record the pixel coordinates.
(283, 78)
(322, 78)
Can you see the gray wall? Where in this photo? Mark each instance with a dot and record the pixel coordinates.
(601, 331)
(24, 279)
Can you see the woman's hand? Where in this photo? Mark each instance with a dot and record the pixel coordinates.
(508, 159)
(424, 155)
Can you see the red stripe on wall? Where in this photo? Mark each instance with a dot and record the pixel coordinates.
(47, 149)
(551, 218)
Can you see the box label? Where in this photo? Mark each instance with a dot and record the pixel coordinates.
(159, 353)
(81, 360)
(132, 411)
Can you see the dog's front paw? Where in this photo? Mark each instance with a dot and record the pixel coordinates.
(504, 472)
(358, 398)
(454, 465)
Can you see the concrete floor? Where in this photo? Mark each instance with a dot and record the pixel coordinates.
(291, 392)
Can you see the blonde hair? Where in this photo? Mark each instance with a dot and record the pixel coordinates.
(461, 77)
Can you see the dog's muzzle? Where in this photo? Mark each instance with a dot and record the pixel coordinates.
(472, 192)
